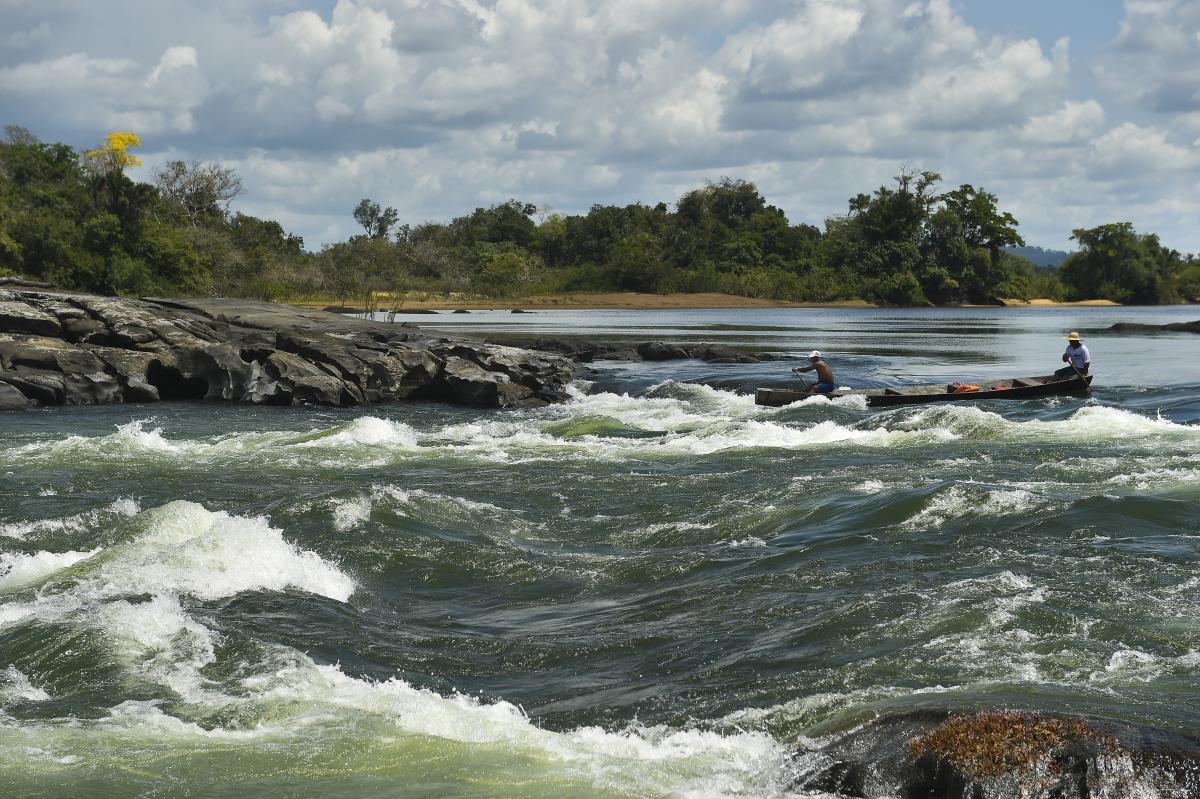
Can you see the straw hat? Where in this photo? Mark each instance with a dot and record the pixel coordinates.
(1074, 336)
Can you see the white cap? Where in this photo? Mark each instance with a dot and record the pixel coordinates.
(815, 354)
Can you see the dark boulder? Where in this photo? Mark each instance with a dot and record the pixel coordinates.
(133, 371)
(300, 382)
(1139, 327)
(578, 350)
(86, 330)
(11, 399)
(617, 354)
(723, 353)
(471, 384)
(661, 351)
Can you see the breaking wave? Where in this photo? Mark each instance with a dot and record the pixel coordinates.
(140, 595)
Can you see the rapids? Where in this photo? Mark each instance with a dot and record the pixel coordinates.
(655, 589)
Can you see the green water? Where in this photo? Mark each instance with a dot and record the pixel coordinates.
(656, 589)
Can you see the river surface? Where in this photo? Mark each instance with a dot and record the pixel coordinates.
(655, 589)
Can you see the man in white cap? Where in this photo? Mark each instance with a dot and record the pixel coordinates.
(824, 373)
(1077, 357)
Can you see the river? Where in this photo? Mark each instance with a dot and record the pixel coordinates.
(655, 589)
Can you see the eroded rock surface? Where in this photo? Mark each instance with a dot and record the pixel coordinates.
(1001, 754)
(63, 348)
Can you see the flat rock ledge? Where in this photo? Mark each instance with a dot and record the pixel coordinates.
(63, 348)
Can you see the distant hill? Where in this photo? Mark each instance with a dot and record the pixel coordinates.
(1039, 256)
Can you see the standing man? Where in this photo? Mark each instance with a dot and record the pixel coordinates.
(824, 373)
(1077, 356)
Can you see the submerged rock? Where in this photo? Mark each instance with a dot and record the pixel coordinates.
(1002, 754)
(62, 348)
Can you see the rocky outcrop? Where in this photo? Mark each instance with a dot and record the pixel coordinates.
(1139, 327)
(62, 348)
(1001, 754)
(584, 350)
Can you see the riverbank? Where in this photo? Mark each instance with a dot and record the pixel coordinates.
(583, 300)
(625, 300)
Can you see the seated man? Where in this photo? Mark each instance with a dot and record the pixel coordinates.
(824, 373)
(1077, 356)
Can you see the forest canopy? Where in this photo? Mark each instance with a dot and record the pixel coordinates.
(76, 219)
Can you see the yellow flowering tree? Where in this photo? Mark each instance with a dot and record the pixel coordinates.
(114, 155)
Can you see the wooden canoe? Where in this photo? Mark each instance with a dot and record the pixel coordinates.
(1017, 388)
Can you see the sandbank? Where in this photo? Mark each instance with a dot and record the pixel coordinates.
(1044, 303)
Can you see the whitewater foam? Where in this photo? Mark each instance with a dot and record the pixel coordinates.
(180, 550)
(168, 647)
(672, 420)
(365, 431)
(116, 510)
(186, 549)
(963, 501)
(18, 570)
(644, 759)
(16, 687)
(349, 513)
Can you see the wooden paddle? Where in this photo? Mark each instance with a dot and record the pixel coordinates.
(1086, 384)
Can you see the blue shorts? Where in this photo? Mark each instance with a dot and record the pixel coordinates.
(823, 388)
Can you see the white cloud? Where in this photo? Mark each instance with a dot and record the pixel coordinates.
(1131, 150)
(75, 73)
(1074, 123)
(116, 93)
(435, 106)
(1155, 58)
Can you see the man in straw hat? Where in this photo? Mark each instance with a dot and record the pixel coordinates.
(1077, 358)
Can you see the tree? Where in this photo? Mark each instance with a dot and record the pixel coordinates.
(114, 155)
(896, 214)
(1117, 263)
(251, 233)
(196, 190)
(502, 268)
(965, 238)
(637, 263)
(376, 221)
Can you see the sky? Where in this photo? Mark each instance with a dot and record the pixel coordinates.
(1074, 113)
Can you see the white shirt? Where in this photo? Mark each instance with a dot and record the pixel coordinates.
(1079, 357)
